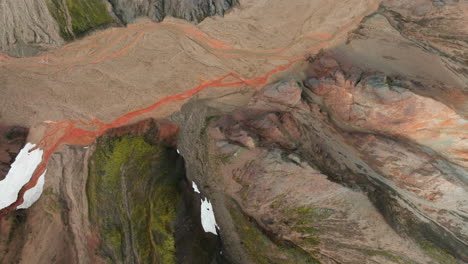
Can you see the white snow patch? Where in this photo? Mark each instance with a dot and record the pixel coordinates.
(19, 174)
(32, 195)
(195, 187)
(207, 217)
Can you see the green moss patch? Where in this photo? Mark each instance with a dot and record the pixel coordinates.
(133, 193)
(15, 133)
(437, 253)
(260, 248)
(389, 256)
(87, 14)
(76, 17)
(59, 12)
(301, 219)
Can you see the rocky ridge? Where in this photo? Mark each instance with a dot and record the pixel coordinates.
(299, 167)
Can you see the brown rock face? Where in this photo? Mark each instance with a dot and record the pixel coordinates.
(439, 25)
(386, 105)
(273, 128)
(286, 92)
(56, 229)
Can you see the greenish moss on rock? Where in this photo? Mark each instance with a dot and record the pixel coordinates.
(133, 194)
(389, 256)
(76, 17)
(437, 253)
(301, 219)
(260, 248)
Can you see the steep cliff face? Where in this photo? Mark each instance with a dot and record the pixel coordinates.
(156, 10)
(29, 27)
(123, 200)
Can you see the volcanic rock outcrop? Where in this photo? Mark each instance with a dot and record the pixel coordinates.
(156, 10)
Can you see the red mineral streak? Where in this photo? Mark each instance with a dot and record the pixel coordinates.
(121, 43)
(80, 133)
(77, 132)
(4, 57)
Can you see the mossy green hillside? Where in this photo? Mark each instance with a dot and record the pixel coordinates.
(436, 253)
(302, 219)
(133, 193)
(58, 10)
(260, 248)
(83, 15)
(87, 14)
(389, 256)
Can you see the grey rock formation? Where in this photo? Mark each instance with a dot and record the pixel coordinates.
(156, 10)
(26, 27)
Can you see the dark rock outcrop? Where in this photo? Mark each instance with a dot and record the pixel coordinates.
(12, 139)
(156, 10)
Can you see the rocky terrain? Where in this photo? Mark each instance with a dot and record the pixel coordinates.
(313, 172)
(30, 26)
(320, 133)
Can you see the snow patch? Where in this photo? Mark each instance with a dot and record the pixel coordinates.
(207, 217)
(19, 174)
(195, 187)
(32, 195)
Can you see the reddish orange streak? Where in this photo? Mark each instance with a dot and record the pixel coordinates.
(72, 131)
(69, 132)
